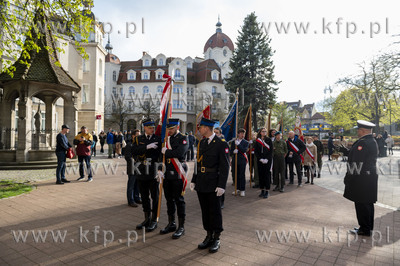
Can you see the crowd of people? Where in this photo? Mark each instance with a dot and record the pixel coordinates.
(272, 161)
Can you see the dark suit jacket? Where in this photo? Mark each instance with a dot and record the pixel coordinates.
(212, 156)
(242, 147)
(141, 154)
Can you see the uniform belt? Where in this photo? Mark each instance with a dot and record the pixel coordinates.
(207, 170)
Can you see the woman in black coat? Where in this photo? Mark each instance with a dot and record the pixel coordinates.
(263, 149)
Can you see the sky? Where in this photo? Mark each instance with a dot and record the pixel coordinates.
(340, 35)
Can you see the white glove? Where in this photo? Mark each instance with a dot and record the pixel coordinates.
(262, 160)
(152, 146)
(163, 150)
(235, 151)
(192, 186)
(237, 142)
(265, 161)
(220, 191)
(160, 176)
(252, 152)
(251, 141)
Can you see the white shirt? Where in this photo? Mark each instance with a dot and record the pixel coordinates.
(211, 138)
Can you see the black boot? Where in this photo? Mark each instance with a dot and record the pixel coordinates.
(171, 226)
(146, 221)
(153, 223)
(207, 241)
(215, 244)
(262, 193)
(181, 229)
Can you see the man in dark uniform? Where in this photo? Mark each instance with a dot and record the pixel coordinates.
(147, 149)
(239, 147)
(294, 158)
(362, 186)
(209, 180)
(175, 177)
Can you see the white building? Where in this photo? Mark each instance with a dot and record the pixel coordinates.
(198, 82)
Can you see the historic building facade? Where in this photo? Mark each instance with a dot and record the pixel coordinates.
(133, 89)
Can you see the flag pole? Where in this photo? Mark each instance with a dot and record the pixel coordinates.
(236, 129)
(251, 146)
(165, 141)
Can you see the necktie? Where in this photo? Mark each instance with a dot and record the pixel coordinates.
(148, 137)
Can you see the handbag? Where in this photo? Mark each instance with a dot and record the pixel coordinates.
(70, 153)
(123, 144)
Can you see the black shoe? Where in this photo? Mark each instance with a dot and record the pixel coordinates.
(319, 175)
(312, 183)
(276, 188)
(359, 232)
(171, 226)
(215, 245)
(282, 190)
(181, 229)
(133, 204)
(59, 183)
(207, 241)
(80, 178)
(265, 194)
(307, 182)
(153, 223)
(146, 221)
(139, 201)
(262, 193)
(65, 180)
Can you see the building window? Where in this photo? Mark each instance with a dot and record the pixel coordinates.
(145, 75)
(177, 104)
(159, 75)
(160, 89)
(189, 64)
(147, 62)
(131, 76)
(177, 73)
(190, 106)
(100, 97)
(215, 76)
(85, 64)
(145, 90)
(85, 93)
(146, 105)
(121, 92)
(100, 67)
(161, 62)
(131, 90)
(178, 89)
(43, 125)
(214, 90)
(130, 106)
(114, 92)
(114, 75)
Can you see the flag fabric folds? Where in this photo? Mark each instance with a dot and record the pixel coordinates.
(165, 109)
(229, 126)
(206, 113)
(247, 125)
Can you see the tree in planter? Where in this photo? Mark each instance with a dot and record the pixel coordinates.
(253, 70)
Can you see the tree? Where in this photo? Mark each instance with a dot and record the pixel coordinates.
(253, 70)
(368, 93)
(117, 111)
(19, 19)
(283, 114)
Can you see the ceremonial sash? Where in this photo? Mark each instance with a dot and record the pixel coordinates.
(178, 167)
(310, 154)
(294, 147)
(244, 155)
(265, 145)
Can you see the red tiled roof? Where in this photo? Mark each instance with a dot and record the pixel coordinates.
(219, 39)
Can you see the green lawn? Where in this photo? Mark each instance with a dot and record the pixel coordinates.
(10, 189)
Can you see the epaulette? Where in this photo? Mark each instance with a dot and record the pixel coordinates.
(223, 140)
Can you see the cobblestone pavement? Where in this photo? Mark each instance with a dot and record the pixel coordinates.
(313, 219)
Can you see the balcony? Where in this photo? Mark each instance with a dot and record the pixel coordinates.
(179, 79)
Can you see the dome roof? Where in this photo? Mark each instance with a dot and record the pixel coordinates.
(219, 39)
